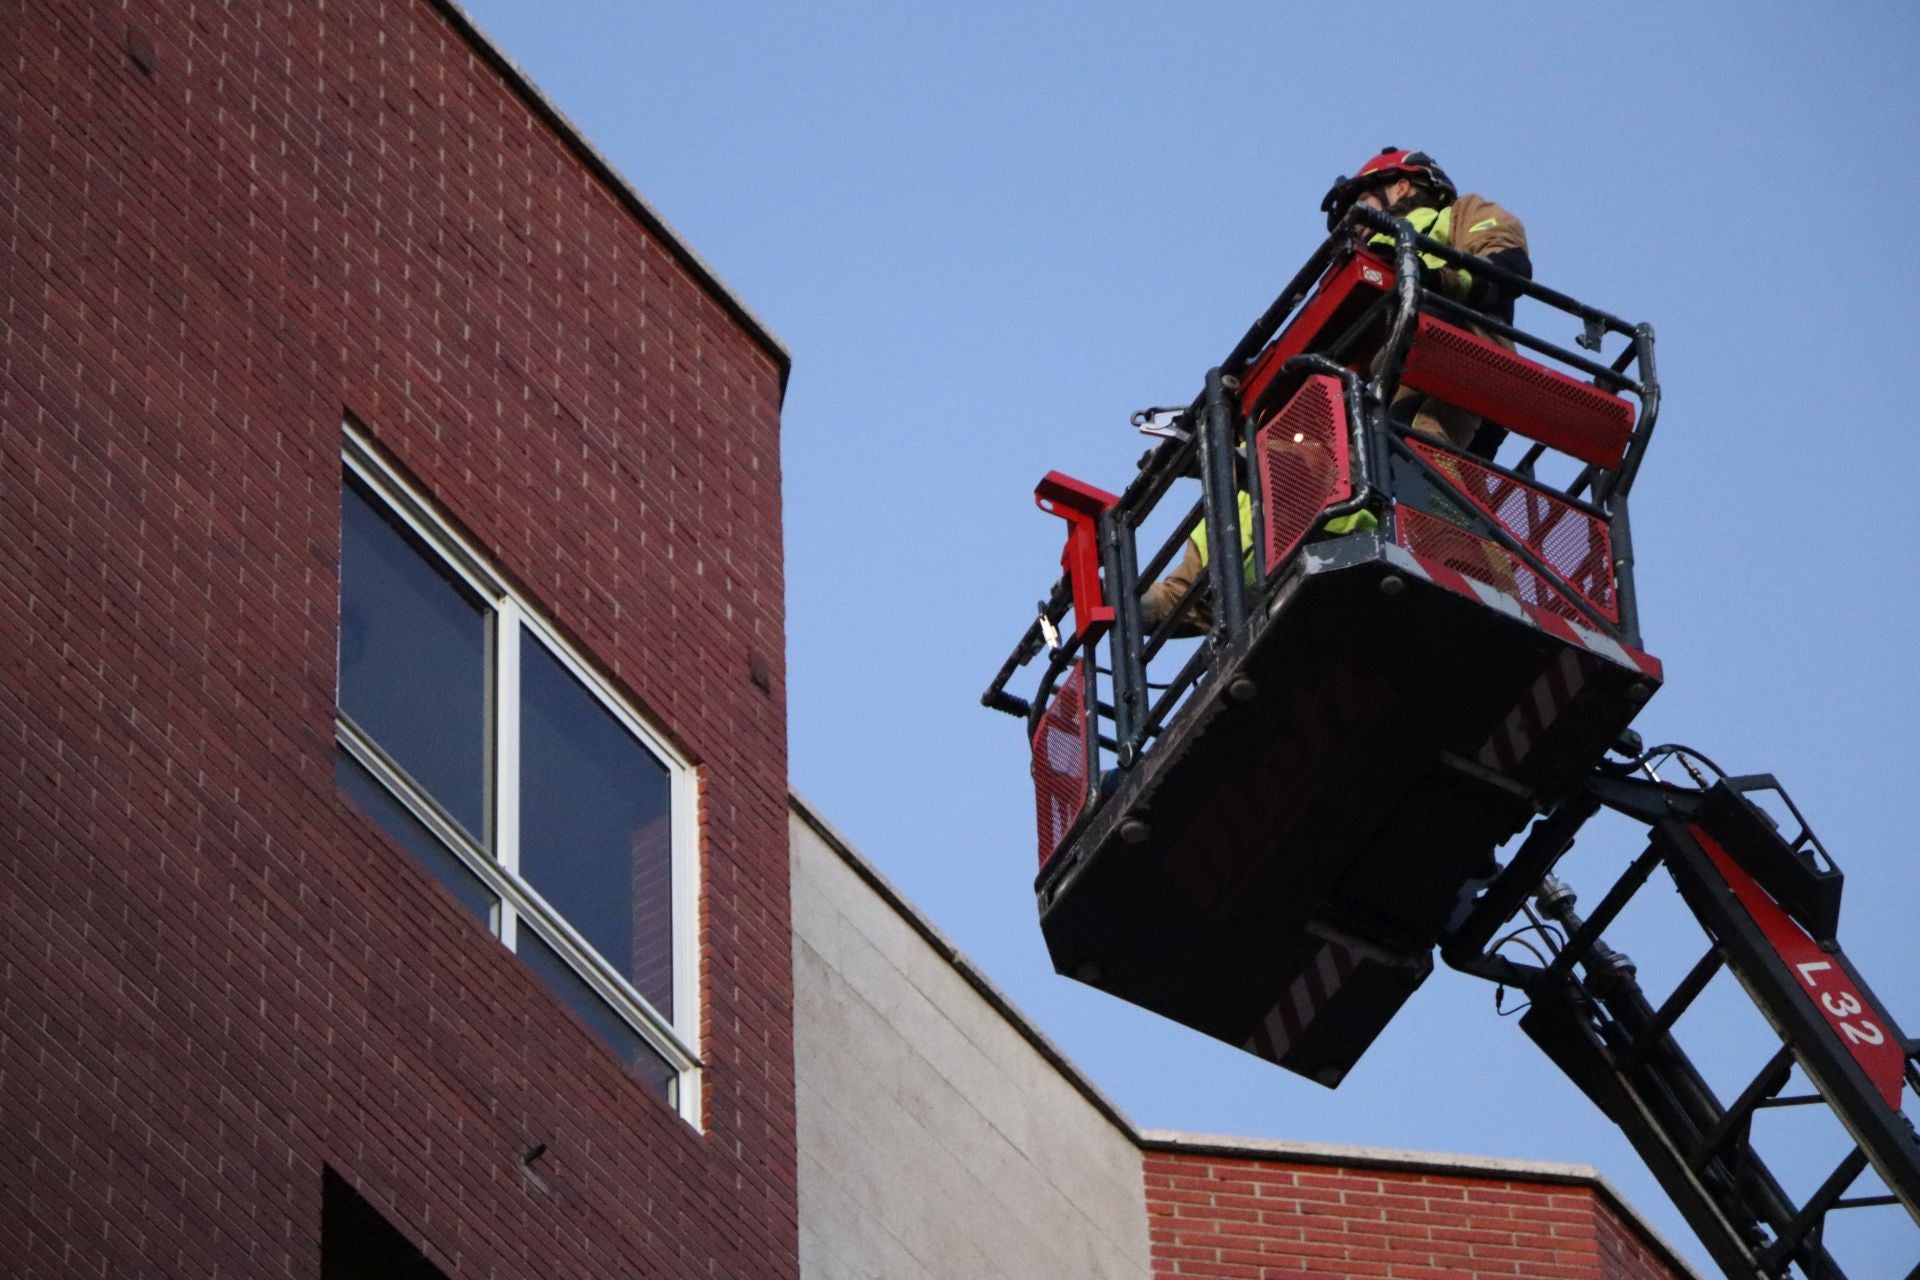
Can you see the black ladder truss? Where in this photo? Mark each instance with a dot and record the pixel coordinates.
(1769, 904)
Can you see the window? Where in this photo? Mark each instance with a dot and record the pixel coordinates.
(485, 747)
(357, 1243)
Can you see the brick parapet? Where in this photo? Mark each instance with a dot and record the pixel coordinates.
(1285, 1211)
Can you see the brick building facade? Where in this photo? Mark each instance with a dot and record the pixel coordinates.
(234, 233)
(377, 467)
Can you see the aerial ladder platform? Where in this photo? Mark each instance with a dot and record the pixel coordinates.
(1421, 653)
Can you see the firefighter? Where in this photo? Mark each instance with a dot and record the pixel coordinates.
(1408, 184)
(1404, 184)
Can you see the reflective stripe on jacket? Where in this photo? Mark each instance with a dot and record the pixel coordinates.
(1485, 229)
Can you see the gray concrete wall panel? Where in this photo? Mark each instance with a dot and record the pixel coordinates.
(938, 1135)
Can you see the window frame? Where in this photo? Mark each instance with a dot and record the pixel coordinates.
(494, 855)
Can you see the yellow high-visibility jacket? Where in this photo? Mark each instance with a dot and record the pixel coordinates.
(1158, 600)
(1472, 224)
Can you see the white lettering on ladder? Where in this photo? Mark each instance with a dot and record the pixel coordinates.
(1840, 1010)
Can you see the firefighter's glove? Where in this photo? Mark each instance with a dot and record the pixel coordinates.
(1435, 275)
(1452, 282)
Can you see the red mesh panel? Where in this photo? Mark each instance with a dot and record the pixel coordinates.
(1482, 560)
(1572, 543)
(1542, 404)
(1303, 463)
(1060, 762)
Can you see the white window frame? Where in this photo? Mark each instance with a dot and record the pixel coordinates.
(676, 1039)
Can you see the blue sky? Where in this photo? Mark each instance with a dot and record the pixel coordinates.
(988, 233)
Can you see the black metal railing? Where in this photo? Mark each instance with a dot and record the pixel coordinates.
(1138, 679)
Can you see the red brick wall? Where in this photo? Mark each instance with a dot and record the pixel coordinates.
(1624, 1252)
(1275, 1219)
(218, 976)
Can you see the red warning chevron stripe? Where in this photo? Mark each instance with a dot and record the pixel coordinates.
(1592, 641)
(1549, 695)
(1303, 1001)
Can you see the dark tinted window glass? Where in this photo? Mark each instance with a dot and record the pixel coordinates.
(413, 659)
(411, 834)
(635, 1053)
(356, 1243)
(594, 824)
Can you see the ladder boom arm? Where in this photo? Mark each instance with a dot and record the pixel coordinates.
(1767, 897)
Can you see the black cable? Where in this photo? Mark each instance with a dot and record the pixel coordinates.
(1553, 937)
(1681, 749)
(1499, 994)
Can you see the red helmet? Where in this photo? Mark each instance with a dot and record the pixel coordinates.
(1391, 163)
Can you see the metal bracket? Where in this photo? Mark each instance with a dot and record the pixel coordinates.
(1080, 505)
(1163, 422)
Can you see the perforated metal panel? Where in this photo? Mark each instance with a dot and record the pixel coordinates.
(1542, 404)
(1482, 560)
(1303, 464)
(1575, 545)
(1060, 762)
